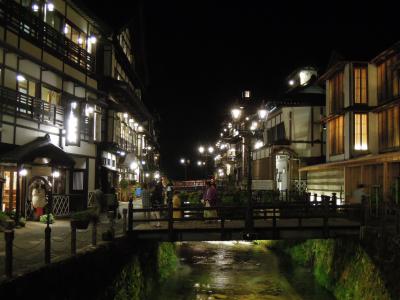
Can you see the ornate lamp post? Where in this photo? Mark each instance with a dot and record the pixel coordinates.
(249, 129)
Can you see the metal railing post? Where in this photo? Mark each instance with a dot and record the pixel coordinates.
(222, 226)
(9, 238)
(364, 210)
(124, 214)
(334, 201)
(130, 215)
(170, 220)
(112, 223)
(73, 238)
(94, 233)
(47, 243)
(274, 231)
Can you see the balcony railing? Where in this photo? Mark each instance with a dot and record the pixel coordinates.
(22, 105)
(22, 22)
(125, 144)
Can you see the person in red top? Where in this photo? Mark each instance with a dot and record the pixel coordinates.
(210, 200)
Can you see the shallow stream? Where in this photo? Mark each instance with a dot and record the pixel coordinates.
(236, 270)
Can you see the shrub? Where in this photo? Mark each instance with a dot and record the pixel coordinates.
(3, 216)
(22, 222)
(85, 215)
(194, 197)
(43, 219)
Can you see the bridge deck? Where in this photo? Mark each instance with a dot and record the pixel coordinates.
(312, 228)
(240, 224)
(276, 221)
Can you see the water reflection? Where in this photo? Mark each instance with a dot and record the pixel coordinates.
(232, 270)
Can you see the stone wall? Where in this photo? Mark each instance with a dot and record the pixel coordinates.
(124, 269)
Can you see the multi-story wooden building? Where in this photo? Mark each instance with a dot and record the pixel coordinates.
(293, 135)
(66, 75)
(129, 148)
(362, 121)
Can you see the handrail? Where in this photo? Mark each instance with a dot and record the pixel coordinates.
(265, 206)
(22, 22)
(22, 104)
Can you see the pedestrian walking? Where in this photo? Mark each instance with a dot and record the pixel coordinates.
(156, 201)
(176, 203)
(146, 204)
(210, 200)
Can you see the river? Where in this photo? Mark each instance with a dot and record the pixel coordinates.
(236, 270)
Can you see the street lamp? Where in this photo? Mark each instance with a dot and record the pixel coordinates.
(185, 162)
(206, 152)
(236, 113)
(247, 134)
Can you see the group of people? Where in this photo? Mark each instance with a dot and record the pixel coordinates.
(157, 195)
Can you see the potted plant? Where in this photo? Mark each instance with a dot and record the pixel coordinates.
(81, 219)
(5, 221)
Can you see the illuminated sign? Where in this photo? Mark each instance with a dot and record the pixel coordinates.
(73, 128)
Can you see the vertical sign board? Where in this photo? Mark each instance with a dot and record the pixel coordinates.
(73, 137)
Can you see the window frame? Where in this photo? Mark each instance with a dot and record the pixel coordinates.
(361, 101)
(361, 131)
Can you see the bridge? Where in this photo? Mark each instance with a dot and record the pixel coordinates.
(302, 220)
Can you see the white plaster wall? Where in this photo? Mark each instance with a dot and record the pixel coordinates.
(7, 134)
(85, 148)
(52, 79)
(29, 68)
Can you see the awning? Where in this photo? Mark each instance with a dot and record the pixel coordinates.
(369, 159)
(39, 151)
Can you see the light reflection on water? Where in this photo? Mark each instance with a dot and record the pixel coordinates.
(237, 271)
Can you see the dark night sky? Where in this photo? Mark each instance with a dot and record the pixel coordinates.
(202, 54)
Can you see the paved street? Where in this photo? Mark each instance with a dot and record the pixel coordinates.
(29, 242)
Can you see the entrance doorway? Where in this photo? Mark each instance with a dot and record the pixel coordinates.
(282, 172)
(10, 190)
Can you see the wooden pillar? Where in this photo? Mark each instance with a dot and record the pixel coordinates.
(386, 181)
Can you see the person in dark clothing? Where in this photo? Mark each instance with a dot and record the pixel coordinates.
(156, 201)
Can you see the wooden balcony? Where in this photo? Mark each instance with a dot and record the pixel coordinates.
(21, 105)
(25, 24)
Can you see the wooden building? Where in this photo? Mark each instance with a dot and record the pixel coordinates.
(52, 83)
(363, 129)
(294, 136)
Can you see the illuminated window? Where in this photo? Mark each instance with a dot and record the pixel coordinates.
(360, 85)
(360, 131)
(50, 96)
(336, 135)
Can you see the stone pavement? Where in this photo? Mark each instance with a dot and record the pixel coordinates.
(28, 246)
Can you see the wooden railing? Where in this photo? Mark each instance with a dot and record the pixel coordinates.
(268, 212)
(23, 105)
(24, 23)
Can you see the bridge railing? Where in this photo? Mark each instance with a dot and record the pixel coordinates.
(273, 213)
